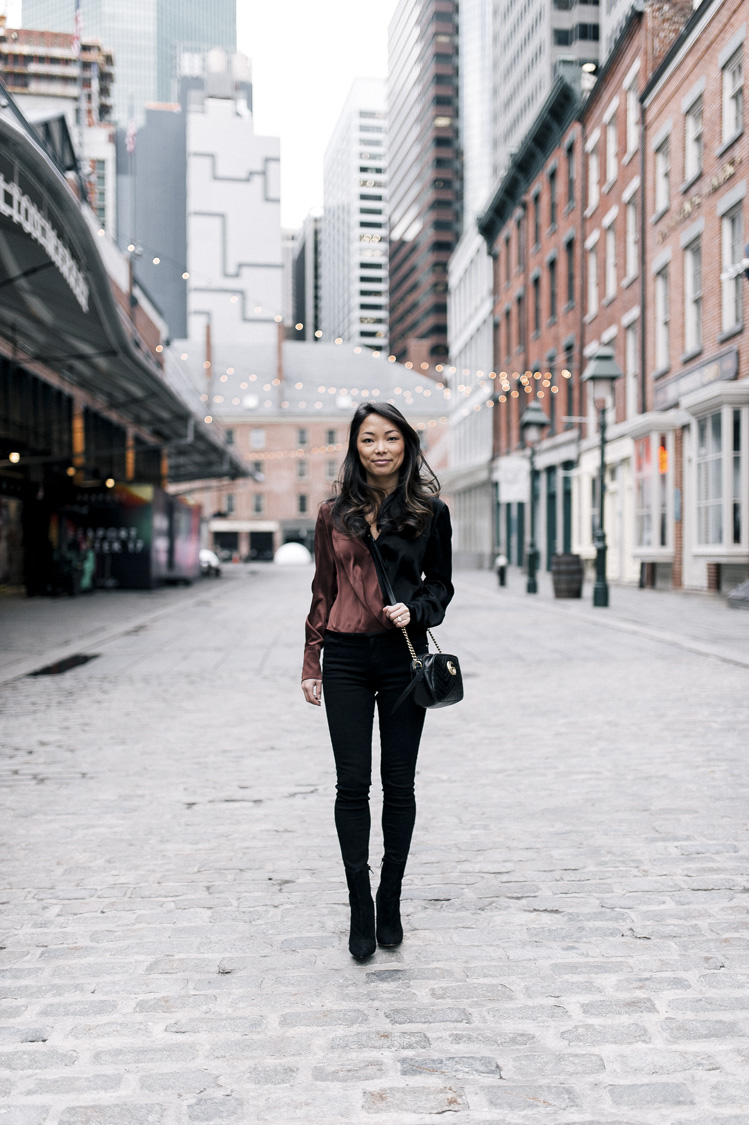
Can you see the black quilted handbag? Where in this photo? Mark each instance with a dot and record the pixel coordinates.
(436, 679)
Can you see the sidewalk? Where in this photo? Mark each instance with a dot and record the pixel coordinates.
(697, 622)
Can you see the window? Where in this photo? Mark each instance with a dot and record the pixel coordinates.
(662, 176)
(99, 183)
(330, 437)
(693, 296)
(593, 280)
(610, 262)
(643, 492)
(631, 369)
(520, 241)
(302, 470)
(569, 353)
(662, 318)
(633, 112)
(302, 504)
(733, 96)
(732, 237)
(230, 509)
(331, 470)
(631, 240)
(536, 305)
(569, 250)
(736, 476)
(693, 141)
(257, 439)
(258, 504)
(594, 190)
(229, 437)
(536, 219)
(258, 467)
(553, 289)
(570, 175)
(611, 150)
(709, 479)
(507, 259)
(553, 197)
(508, 335)
(521, 321)
(302, 437)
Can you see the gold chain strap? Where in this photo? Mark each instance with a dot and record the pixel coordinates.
(411, 648)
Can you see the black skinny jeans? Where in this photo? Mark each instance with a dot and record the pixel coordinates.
(359, 671)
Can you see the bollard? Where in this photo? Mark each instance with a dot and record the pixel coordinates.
(501, 566)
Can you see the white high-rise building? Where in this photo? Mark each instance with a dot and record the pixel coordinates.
(354, 232)
(530, 38)
(234, 244)
(470, 302)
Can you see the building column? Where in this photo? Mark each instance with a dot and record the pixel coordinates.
(78, 440)
(678, 566)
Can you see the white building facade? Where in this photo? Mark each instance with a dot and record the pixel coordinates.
(354, 230)
(234, 240)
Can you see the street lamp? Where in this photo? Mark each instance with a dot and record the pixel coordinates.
(532, 422)
(601, 372)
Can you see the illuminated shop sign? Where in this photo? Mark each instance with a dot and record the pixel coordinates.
(21, 210)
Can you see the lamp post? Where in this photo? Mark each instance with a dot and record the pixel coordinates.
(532, 422)
(601, 372)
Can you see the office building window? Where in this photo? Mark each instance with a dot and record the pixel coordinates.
(593, 280)
(710, 479)
(570, 153)
(732, 238)
(733, 96)
(662, 175)
(633, 114)
(662, 319)
(693, 296)
(611, 150)
(631, 369)
(693, 141)
(302, 470)
(569, 250)
(553, 203)
(257, 439)
(553, 289)
(631, 240)
(302, 504)
(610, 262)
(594, 188)
(258, 504)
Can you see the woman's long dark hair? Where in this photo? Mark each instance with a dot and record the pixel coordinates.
(407, 509)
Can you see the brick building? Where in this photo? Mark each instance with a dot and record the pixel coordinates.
(619, 203)
(532, 226)
(692, 463)
(287, 415)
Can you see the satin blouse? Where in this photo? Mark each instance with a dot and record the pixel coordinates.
(346, 594)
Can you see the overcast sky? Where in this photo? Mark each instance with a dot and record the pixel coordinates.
(305, 55)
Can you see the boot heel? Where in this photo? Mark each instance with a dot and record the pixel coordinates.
(389, 928)
(361, 942)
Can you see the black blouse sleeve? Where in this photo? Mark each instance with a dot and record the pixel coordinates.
(430, 601)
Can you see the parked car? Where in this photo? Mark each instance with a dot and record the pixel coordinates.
(210, 563)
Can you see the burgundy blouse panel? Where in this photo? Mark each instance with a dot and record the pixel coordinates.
(346, 595)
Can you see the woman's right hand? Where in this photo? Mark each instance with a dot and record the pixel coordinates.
(312, 691)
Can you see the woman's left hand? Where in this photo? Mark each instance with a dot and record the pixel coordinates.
(399, 614)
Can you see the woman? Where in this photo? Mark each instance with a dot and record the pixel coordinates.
(386, 513)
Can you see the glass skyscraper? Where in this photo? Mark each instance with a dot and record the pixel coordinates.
(146, 37)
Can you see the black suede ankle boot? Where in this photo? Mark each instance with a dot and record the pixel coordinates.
(361, 940)
(389, 928)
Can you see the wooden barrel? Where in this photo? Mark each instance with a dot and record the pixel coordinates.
(567, 576)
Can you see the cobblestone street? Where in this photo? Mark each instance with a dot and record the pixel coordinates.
(174, 924)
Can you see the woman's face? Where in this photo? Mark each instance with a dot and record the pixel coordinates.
(381, 450)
